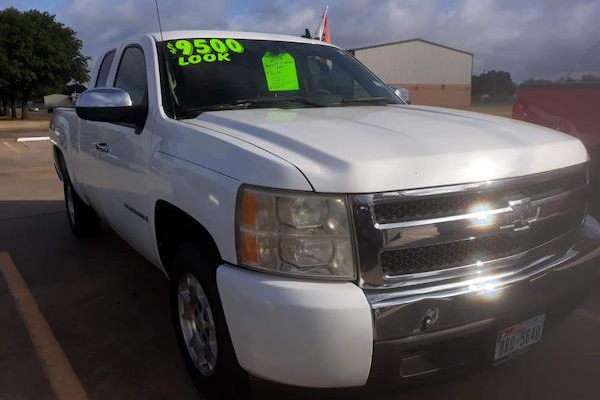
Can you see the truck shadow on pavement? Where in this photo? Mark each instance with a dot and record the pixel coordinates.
(108, 308)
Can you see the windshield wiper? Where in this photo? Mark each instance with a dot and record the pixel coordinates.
(194, 112)
(246, 103)
(282, 100)
(363, 100)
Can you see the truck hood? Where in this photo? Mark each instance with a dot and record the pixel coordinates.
(376, 148)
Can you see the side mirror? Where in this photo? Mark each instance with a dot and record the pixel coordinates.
(402, 93)
(110, 105)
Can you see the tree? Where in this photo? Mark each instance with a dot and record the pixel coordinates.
(533, 81)
(567, 79)
(584, 78)
(590, 78)
(3, 84)
(13, 70)
(73, 88)
(39, 53)
(496, 84)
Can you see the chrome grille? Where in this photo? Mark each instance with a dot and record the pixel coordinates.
(471, 251)
(404, 236)
(390, 211)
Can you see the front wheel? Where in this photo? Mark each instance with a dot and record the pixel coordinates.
(201, 328)
(83, 220)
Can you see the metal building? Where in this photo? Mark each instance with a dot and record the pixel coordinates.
(433, 73)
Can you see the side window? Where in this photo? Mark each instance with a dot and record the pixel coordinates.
(131, 75)
(105, 69)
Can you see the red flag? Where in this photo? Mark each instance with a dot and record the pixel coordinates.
(322, 32)
(326, 35)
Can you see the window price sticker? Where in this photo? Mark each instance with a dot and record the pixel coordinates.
(195, 51)
(280, 71)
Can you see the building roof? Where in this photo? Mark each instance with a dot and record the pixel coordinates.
(412, 40)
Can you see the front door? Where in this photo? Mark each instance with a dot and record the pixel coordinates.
(87, 144)
(124, 155)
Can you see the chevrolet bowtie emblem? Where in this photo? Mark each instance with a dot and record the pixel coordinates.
(522, 216)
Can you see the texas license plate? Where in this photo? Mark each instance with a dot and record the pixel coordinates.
(518, 338)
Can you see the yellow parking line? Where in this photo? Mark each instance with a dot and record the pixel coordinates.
(10, 146)
(60, 374)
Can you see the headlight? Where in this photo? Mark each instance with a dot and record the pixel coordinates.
(294, 234)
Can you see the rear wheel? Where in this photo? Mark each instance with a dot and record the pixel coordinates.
(83, 220)
(201, 328)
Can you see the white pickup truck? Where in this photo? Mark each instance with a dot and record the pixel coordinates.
(316, 231)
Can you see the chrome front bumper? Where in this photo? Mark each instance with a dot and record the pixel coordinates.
(564, 267)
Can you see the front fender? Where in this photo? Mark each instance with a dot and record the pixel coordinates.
(207, 196)
(200, 172)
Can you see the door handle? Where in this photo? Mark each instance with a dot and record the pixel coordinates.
(103, 147)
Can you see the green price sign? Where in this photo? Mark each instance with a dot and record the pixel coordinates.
(195, 51)
(280, 71)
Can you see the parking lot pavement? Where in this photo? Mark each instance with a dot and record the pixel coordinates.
(107, 309)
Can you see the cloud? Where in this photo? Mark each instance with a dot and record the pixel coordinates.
(535, 38)
(103, 23)
(278, 16)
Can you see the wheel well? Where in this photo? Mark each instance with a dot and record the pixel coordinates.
(173, 227)
(60, 165)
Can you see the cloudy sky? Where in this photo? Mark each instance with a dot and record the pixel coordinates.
(529, 38)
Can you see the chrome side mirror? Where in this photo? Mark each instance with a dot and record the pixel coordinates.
(104, 97)
(110, 105)
(402, 93)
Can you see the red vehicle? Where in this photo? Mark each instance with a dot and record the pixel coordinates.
(573, 108)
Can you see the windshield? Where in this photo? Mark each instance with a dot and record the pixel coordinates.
(217, 74)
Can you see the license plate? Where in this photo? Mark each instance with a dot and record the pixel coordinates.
(518, 338)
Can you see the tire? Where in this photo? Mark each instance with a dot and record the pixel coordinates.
(83, 220)
(197, 311)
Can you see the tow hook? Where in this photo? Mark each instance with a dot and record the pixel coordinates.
(431, 316)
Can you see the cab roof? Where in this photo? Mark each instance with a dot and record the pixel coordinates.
(173, 35)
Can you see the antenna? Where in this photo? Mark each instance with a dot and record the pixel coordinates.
(166, 64)
(162, 39)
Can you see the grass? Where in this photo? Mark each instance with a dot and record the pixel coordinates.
(38, 121)
(41, 115)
